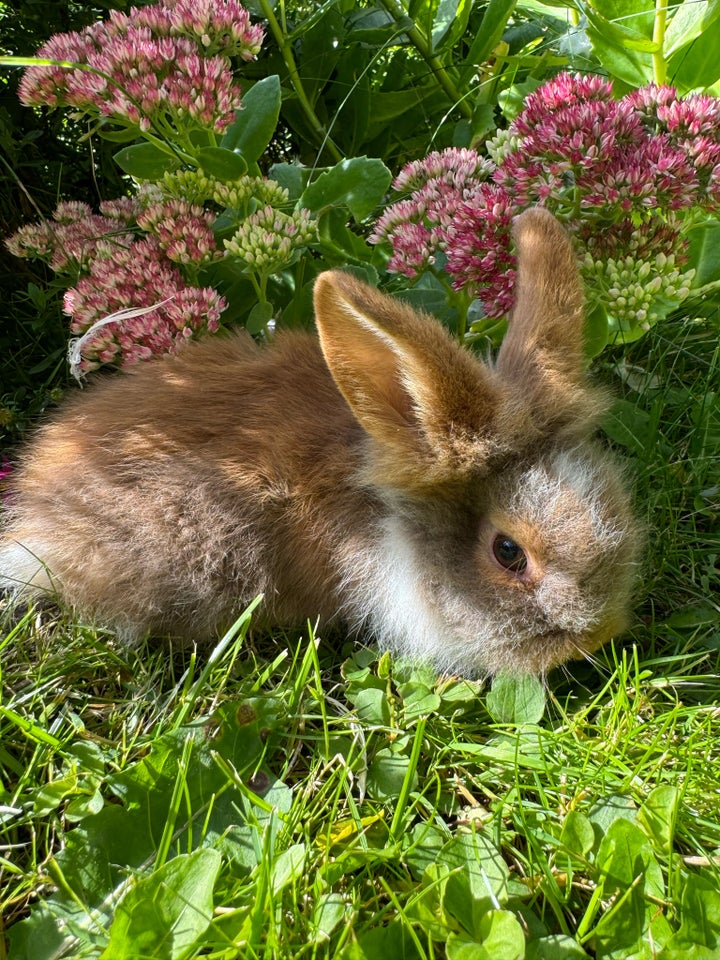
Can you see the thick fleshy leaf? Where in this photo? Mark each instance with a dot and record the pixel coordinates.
(256, 120)
(358, 184)
(145, 161)
(222, 163)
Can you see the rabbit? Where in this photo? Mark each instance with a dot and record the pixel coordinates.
(377, 474)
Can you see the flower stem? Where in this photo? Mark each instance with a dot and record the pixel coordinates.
(285, 46)
(423, 47)
(659, 62)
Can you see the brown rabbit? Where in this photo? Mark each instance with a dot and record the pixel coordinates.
(382, 476)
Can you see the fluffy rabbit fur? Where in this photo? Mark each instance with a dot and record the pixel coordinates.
(383, 476)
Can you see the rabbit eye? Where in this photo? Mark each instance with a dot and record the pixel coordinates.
(509, 554)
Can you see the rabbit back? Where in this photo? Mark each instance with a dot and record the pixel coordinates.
(168, 497)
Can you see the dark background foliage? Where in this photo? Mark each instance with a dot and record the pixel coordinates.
(44, 157)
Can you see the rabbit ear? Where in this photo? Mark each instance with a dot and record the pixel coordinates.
(426, 401)
(542, 352)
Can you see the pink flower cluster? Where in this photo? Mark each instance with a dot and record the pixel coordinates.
(141, 276)
(123, 271)
(418, 226)
(623, 174)
(159, 67)
(183, 230)
(70, 240)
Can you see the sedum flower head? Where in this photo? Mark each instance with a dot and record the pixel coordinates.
(236, 194)
(194, 186)
(618, 172)
(71, 238)
(222, 27)
(183, 230)
(268, 239)
(479, 257)
(141, 276)
(154, 67)
(417, 227)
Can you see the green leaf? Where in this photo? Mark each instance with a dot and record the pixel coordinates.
(358, 184)
(289, 867)
(51, 795)
(595, 331)
(621, 33)
(477, 881)
(259, 317)
(502, 936)
(450, 22)
(124, 135)
(697, 65)
(657, 815)
(221, 163)
(329, 911)
(372, 706)
(424, 843)
(375, 27)
(555, 947)
(624, 854)
(609, 809)
(628, 425)
(577, 834)
(386, 775)
(145, 161)
(630, 66)
(516, 699)
(690, 20)
(165, 914)
(632, 879)
(704, 252)
(48, 933)
(289, 175)
(691, 617)
(256, 120)
(339, 243)
(391, 942)
(494, 21)
(700, 913)
(420, 701)
(499, 937)
(398, 103)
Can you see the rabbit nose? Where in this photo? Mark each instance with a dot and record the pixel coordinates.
(564, 605)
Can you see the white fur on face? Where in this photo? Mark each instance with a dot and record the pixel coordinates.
(572, 500)
(389, 594)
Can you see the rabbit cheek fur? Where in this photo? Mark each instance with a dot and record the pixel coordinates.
(364, 478)
(440, 595)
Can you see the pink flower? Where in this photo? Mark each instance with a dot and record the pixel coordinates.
(417, 227)
(150, 67)
(123, 209)
(137, 276)
(565, 90)
(453, 166)
(183, 230)
(651, 174)
(478, 248)
(214, 25)
(70, 240)
(618, 169)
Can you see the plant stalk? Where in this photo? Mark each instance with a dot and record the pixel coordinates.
(422, 45)
(659, 62)
(285, 47)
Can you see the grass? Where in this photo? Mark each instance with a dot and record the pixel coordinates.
(298, 797)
